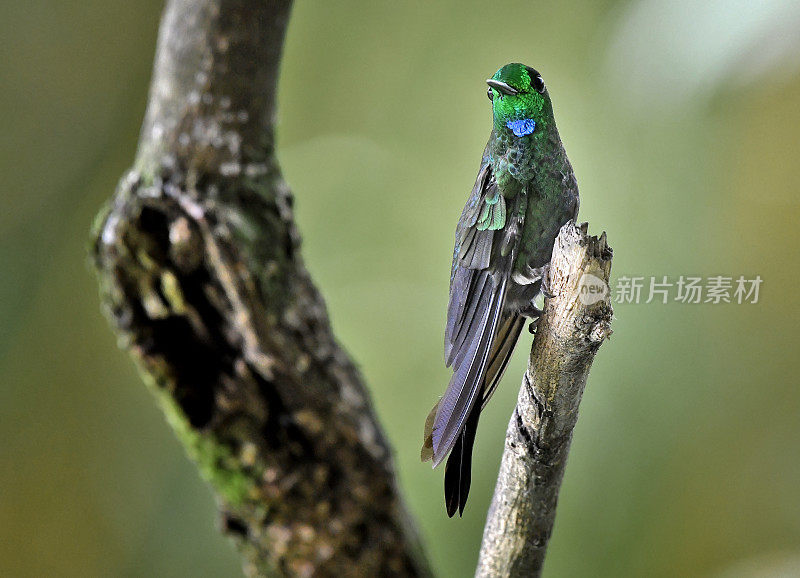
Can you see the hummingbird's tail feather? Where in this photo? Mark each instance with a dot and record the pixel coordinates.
(499, 355)
(458, 471)
(426, 453)
(502, 348)
(469, 364)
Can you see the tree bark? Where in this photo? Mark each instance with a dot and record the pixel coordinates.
(575, 322)
(201, 276)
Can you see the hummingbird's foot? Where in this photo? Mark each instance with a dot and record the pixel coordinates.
(531, 311)
(545, 287)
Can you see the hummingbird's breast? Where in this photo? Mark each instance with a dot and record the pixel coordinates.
(537, 166)
(513, 162)
(546, 177)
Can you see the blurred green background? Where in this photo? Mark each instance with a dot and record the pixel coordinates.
(682, 121)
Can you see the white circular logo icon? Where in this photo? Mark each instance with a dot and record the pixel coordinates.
(591, 289)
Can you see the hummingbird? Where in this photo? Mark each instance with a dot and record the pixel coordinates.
(524, 193)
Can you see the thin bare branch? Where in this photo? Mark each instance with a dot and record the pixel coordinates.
(575, 323)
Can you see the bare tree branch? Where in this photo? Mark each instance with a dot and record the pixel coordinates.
(198, 260)
(574, 324)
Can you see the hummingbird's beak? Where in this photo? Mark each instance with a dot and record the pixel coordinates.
(501, 87)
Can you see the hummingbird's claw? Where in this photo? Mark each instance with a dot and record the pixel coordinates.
(531, 311)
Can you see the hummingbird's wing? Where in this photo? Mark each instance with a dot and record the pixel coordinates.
(479, 280)
(482, 216)
(480, 336)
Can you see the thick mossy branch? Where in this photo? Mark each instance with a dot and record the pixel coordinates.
(201, 276)
(574, 324)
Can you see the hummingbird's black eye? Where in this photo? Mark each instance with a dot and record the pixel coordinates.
(490, 94)
(536, 80)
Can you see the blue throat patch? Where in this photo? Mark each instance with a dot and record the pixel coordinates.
(522, 127)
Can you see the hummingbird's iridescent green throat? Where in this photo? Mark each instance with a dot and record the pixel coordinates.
(524, 193)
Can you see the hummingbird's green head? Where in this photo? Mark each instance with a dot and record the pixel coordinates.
(520, 102)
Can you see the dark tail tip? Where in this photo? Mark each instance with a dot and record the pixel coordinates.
(457, 479)
(458, 471)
